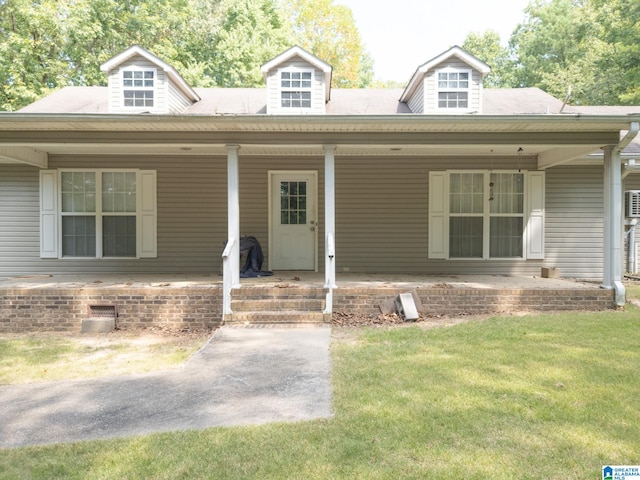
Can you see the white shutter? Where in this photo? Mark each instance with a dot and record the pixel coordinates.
(534, 232)
(147, 214)
(438, 225)
(48, 213)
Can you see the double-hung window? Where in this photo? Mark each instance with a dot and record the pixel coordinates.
(98, 213)
(486, 215)
(138, 87)
(453, 89)
(295, 88)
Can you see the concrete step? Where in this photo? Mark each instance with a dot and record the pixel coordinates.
(277, 304)
(286, 317)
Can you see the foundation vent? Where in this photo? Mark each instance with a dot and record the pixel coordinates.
(103, 311)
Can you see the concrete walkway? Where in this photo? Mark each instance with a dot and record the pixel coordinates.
(241, 376)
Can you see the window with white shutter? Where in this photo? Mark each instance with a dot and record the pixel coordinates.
(486, 215)
(98, 213)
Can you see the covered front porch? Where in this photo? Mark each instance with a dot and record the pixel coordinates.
(194, 301)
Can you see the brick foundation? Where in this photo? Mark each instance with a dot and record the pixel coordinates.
(463, 301)
(63, 308)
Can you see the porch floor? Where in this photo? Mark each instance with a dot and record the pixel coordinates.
(300, 278)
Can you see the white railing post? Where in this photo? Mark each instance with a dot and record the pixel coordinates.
(226, 277)
(330, 273)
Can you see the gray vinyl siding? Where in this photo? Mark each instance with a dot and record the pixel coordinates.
(160, 103)
(19, 219)
(382, 217)
(317, 93)
(574, 221)
(416, 102)
(192, 218)
(191, 206)
(177, 101)
(431, 87)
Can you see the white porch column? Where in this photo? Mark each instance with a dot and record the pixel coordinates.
(613, 223)
(329, 214)
(329, 225)
(233, 212)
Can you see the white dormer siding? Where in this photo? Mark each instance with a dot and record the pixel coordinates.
(295, 68)
(432, 89)
(450, 83)
(298, 83)
(167, 98)
(117, 87)
(139, 82)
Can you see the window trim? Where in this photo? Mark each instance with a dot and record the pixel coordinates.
(282, 90)
(533, 216)
(153, 89)
(51, 213)
(440, 90)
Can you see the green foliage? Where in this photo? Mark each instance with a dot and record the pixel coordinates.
(588, 46)
(48, 44)
(488, 49)
(249, 33)
(329, 32)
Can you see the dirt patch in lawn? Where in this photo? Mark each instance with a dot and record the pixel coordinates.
(52, 356)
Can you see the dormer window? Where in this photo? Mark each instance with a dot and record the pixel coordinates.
(295, 88)
(453, 89)
(138, 87)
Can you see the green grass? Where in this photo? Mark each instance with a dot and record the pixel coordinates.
(541, 396)
(633, 290)
(45, 357)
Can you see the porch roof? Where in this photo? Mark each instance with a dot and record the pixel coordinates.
(553, 138)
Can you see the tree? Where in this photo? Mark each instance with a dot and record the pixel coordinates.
(560, 47)
(329, 32)
(488, 49)
(31, 59)
(47, 44)
(248, 34)
(619, 22)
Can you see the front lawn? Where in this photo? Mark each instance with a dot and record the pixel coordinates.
(540, 396)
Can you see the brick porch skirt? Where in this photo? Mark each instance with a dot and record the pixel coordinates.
(53, 308)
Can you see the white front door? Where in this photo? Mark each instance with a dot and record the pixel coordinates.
(293, 220)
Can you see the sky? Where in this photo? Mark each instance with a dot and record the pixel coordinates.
(401, 35)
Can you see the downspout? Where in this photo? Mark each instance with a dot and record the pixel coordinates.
(615, 212)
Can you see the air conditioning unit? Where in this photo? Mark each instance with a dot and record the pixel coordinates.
(632, 203)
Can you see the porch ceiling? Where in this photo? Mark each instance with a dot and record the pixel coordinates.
(29, 138)
(367, 150)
